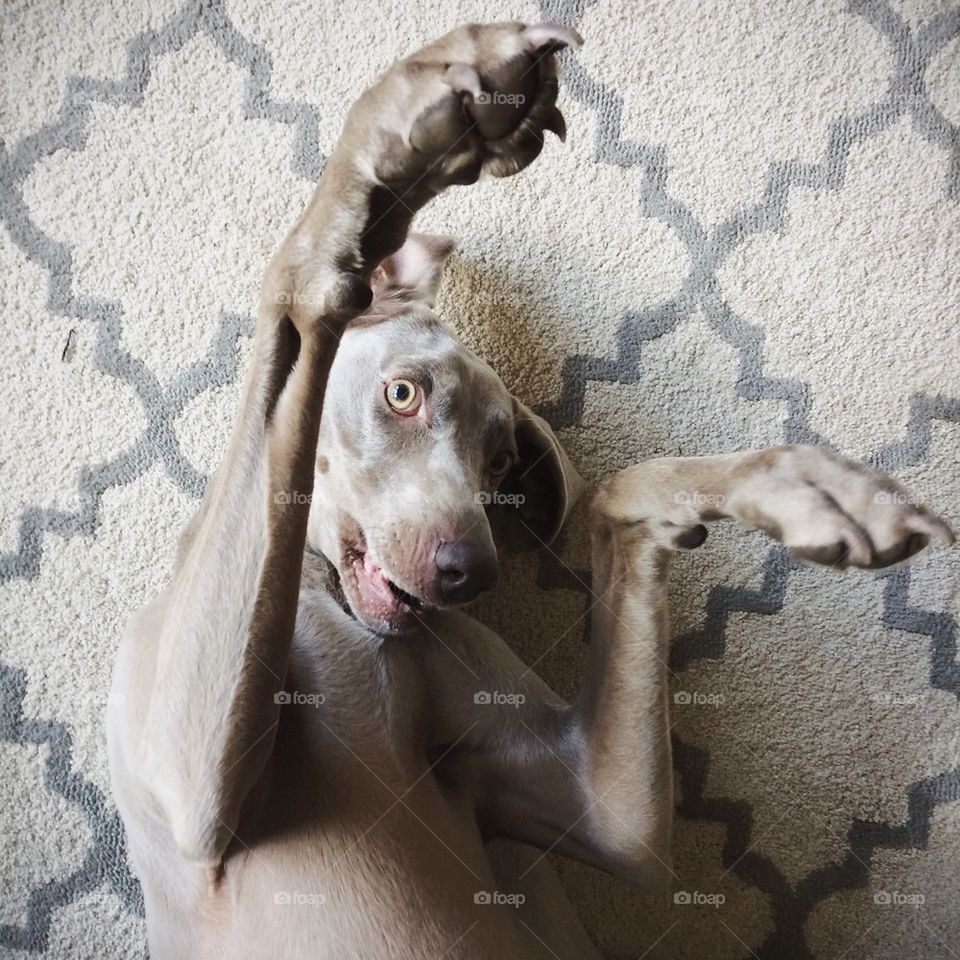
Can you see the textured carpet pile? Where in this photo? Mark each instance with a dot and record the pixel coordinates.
(752, 235)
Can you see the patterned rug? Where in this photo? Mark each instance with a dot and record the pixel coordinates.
(751, 236)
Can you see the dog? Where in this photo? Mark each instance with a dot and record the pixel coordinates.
(304, 745)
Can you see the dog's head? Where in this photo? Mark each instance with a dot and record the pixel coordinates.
(425, 460)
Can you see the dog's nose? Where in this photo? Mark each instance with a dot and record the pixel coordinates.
(464, 570)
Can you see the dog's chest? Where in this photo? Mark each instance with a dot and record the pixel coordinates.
(356, 700)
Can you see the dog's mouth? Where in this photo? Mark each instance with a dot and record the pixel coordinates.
(374, 598)
(406, 599)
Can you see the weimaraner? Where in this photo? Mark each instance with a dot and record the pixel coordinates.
(315, 750)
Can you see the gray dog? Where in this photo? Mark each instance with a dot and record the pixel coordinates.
(302, 741)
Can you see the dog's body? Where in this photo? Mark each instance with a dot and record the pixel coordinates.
(325, 757)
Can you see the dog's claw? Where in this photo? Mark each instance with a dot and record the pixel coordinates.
(554, 122)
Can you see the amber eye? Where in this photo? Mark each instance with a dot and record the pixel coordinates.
(403, 395)
(501, 463)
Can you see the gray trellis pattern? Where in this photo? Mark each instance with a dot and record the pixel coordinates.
(791, 902)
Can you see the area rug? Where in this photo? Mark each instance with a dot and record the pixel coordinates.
(751, 236)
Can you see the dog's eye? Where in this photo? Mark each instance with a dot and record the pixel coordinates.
(501, 463)
(403, 396)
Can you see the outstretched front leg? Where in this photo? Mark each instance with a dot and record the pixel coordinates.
(593, 779)
(826, 508)
(194, 725)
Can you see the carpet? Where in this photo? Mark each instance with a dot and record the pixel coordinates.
(751, 236)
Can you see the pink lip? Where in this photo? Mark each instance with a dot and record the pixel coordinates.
(373, 597)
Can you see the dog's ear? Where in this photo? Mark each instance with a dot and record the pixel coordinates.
(412, 274)
(541, 488)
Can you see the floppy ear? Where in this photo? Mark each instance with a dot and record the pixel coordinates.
(412, 274)
(541, 487)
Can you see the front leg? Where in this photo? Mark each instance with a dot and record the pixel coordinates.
(477, 100)
(594, 780)
(199, 671)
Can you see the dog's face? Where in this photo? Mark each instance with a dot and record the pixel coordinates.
(421, 447)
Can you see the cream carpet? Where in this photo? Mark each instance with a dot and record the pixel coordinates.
(752, 235)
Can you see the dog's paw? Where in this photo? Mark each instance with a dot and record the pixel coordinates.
(479, 99)
(834, 511)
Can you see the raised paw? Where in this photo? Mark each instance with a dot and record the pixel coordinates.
(478, 99)
(833, 511)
